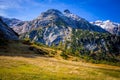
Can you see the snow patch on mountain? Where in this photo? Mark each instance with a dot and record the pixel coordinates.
(112, 27)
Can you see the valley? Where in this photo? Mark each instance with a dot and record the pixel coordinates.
(59, 46)
(18, 62)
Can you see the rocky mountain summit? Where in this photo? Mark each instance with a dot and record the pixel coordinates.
(52, 26)
(112, 27)
(75, 34)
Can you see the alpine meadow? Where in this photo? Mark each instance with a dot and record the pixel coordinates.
(59, 40)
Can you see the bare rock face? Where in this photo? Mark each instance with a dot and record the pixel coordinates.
(11, 22)
(53, 26)
(67, 11)
(6, 32)
(112, 27)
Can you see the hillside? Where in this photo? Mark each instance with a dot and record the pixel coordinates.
(58, 46)
(72, 34)
(59, 39)
(52, 26)
(19, 61)
(6, 32)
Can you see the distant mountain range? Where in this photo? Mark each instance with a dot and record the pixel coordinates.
(72, 20)
(112, 27)
(77, 34)
(54, 24)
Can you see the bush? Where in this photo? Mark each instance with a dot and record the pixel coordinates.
(26, 41)
(65, 56)
(52, 53)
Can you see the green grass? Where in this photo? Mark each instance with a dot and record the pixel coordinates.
(19, 63)
(41, 68)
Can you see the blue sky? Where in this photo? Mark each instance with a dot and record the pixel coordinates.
(91, 10)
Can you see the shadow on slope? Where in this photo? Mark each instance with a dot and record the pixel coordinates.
(20, 48)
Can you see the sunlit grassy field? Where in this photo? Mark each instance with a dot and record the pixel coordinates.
(23, 64)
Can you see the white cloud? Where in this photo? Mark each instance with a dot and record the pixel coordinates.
(18, 5)
(7, 4)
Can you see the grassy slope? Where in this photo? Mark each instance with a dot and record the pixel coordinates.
(17, 62)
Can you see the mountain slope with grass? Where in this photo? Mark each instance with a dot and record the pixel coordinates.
(72, 34)
(21, 60)
(95, 45)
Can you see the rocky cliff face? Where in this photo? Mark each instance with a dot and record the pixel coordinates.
(54, 25)
(6, 32)
(11, 22)
(112, 27)
(76, 33)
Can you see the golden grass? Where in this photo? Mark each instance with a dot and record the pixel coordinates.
(49, 68)
(23, 64)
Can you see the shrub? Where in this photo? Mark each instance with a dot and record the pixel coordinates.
(65, 56)
(26, 41)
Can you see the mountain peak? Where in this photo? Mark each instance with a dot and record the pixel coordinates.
(53, 11)
(99, 21)
(109, 26)
(107, 21)
(49, 13)
(66, 11)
